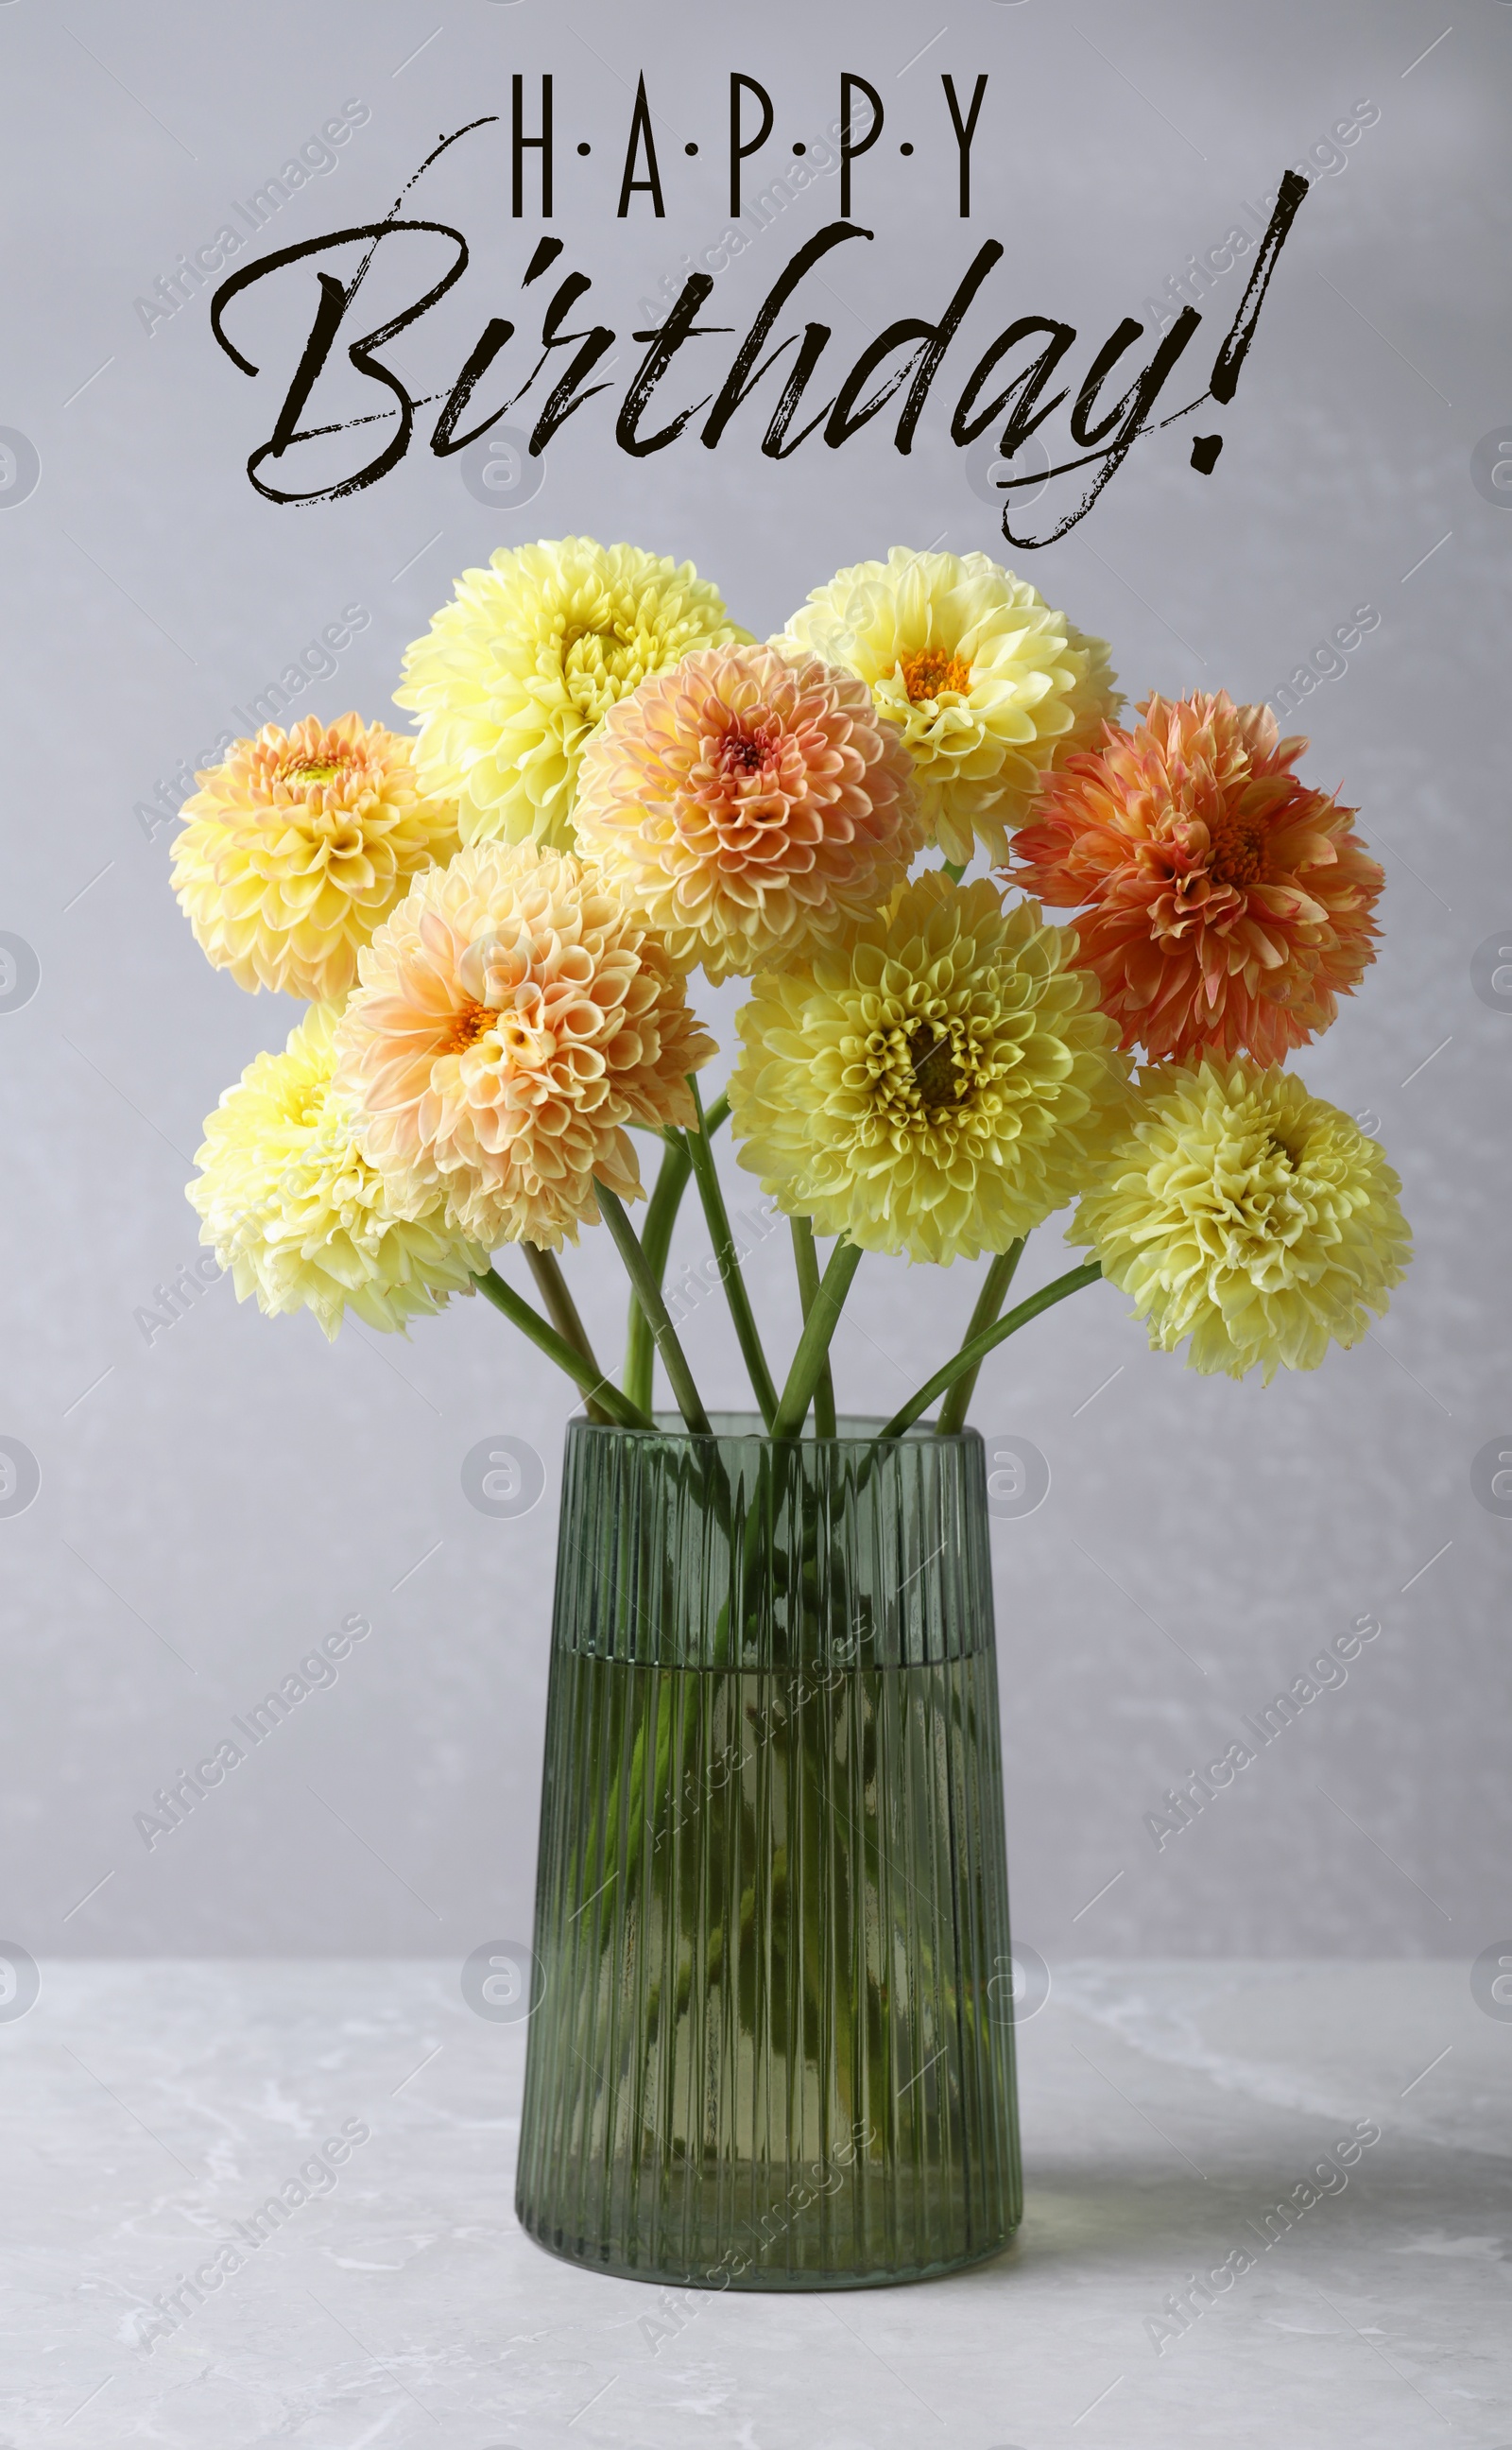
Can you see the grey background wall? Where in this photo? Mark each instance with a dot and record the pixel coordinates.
(214, 1500)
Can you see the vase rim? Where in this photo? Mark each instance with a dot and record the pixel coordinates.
(736, 1428)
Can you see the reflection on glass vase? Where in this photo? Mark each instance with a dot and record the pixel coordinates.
(773, 2047)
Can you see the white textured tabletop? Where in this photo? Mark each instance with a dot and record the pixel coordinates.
(152, 2109)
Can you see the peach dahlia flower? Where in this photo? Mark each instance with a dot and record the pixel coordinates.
(299, 844)
(512, 1018)
(749, 804)
(1226, 904)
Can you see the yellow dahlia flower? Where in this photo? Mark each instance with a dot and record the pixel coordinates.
(989, 685)
(518, 671)
(747, 804)
(299, 844)
(937, 1084)
(1244, 1212)
(294, 1209)
(512, 1018)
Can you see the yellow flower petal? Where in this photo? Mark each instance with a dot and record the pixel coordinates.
(1248, 1215)
(293, 1209)
(990, 687)
(257, 869)
(937, 1084)
(518, 671)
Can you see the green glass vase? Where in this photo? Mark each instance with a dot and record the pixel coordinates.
(772, 2046)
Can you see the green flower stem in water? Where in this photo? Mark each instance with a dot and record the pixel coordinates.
(989, 1302)
(813, 1345)
(806, 1259)
(562, 1310)
(656, 1241)
(648, 1293)
(716, 1217)
(774, 1568)
(519, 1313)
(974, 1351)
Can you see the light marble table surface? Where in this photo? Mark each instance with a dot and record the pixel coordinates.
(149, 2109)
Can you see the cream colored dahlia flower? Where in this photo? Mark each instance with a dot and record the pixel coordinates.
(299, 844)
(518, 671)
(1246, 1214)
(295, 1211)
(512, 1018)
(747, 804)
(989, 685)
(937, 1084)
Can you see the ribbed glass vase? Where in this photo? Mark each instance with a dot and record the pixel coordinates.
(773, 2044)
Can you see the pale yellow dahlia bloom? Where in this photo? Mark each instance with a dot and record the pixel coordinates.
(512, 1018)
(518, 671)
(299, 844)
(988, 684)
(937, 1084)
(747, 805)
(1248, 1215)
(295, 1211)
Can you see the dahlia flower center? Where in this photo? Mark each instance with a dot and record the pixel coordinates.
(937, 1076)
(922, 1072)
(598, 665)
(304, 1104)
(466, 1027)
(746, 752)
(1236, 847)
(1278, 1145)
(931, 673)
(299, 771)
(523, 1044)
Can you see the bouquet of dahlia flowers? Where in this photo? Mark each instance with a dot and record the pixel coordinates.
(611, 787)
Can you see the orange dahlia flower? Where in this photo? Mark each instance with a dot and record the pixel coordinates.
(748, 805)
(512, 1018)
(1225, 904)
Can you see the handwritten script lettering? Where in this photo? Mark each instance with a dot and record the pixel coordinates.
(779, 356)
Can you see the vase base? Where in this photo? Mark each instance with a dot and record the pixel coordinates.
(771, 2280)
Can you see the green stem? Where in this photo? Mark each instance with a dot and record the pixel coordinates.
(806, 1259)
(562, 1310)
(973, 1353)
(656, 1241)
(519, 1313)
(953, 869)
(716, 1217)
(814, 1343)
(989, 1302)
(648, 1293)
